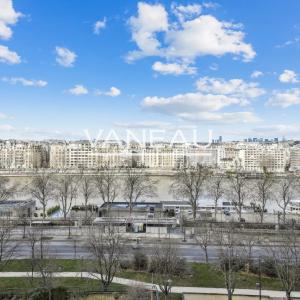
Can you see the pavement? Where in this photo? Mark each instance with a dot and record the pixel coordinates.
(175, 289)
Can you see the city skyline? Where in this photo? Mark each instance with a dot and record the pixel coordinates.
(162, 65)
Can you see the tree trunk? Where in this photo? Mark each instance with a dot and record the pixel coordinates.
(288, 295)
(229, 295)
(261, 217)
(206, 256)
(283, 216)
(44, 211)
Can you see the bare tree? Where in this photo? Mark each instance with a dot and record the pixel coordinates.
(45, 266)
(66, 192)
(7, 246)
(263, 192)
(33, 238)
(165, 264)
(248, 241)
(203, 238)
(238, 190)
(107, 184)
(41, 189)
(87, 190)
(285, 192)
(188, 184)
(229, 258)
(105, 248)
(286, 260)
(216, 189)
(6, 189)
(137, 185)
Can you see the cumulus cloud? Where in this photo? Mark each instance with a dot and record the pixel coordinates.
(235, 87)
(189, 102)
(256, 74)
(184, 12)
(78, 90)
(8, 17)
(151, 19)
(9, 57)
(65, 57)
(113, 92)
(288, 76)
(285, 98)
(198, 36)
(173, 68)
(99, 25)
(221, 117)
(25, 82)
(214, 95)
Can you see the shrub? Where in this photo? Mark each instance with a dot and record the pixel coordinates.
(267, 266)
(53, 210)
(140, 261)
(125, 264)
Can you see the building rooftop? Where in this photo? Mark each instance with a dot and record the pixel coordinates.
(123, 204)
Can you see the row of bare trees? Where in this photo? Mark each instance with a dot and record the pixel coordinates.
(187, 184)
(237, 188)
(107, 185)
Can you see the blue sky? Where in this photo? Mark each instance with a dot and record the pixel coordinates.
(229, 66)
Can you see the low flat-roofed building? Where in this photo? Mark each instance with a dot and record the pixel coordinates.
(16, 208)
(147, 217)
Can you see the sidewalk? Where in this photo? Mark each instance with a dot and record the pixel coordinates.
(175, 289)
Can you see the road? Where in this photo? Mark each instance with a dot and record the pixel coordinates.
(68, 249)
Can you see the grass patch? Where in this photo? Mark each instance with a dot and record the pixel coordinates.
(200, 275)
(73, 284)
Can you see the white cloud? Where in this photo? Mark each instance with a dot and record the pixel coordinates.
(8, 16)
(113, 92)
(25, 82)
(288, 43)
(203, 35)
(78, 90)
(256, 74)
(184, 12)
(173, 68)
(288, 76)
(235, 87)
(99, 25)
(190, 102)
(221, 117)
(150, 20)
(9, 57)
(65, 57)
(277, 130)
(213, 96)
(285, 98)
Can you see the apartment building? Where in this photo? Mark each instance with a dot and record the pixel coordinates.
(163, 156)
(272, 157)
(86, 155)
(295, 158)
(21, 155)
(253, 157)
